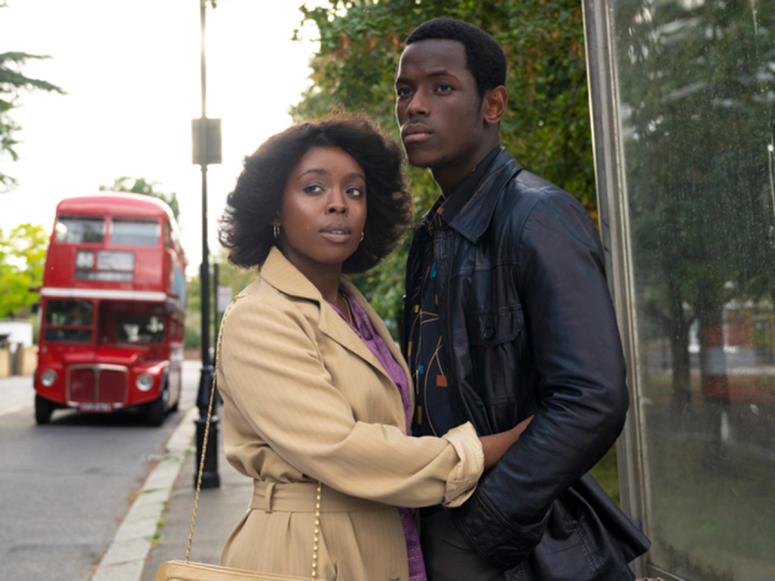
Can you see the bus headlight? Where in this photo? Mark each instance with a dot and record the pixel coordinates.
(144, 382)
(48, 377)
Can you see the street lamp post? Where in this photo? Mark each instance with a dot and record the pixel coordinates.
(206, 138)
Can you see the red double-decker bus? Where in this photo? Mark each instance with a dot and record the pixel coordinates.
(112, 308)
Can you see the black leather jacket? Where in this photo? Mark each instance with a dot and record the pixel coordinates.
(529, 328)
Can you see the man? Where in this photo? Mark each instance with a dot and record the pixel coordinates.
(507, 316)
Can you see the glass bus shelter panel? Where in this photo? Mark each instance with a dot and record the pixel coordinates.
(696, 90)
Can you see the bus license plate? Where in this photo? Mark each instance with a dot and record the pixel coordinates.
(95, 407)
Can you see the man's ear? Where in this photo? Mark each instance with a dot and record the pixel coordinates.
(494, 105)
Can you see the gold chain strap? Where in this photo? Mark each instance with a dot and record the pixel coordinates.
(200, 470)
(192, 526)
(316, 536)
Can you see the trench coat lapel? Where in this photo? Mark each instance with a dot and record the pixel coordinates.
(285, 277)
(379, 325)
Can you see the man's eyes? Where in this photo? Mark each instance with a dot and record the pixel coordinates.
(440, 88)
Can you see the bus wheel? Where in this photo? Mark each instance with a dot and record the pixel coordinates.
(43, 410)
(155, 412)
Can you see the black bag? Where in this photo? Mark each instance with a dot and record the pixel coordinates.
(587, 538)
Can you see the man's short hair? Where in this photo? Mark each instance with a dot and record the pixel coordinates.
(484, 57)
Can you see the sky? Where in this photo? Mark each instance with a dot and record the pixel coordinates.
(131, 72)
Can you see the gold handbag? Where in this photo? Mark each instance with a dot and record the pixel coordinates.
(187, 570)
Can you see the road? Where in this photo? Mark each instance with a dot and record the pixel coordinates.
(65, 487)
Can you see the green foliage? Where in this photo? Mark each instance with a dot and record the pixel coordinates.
(234, 277)
(22, 258)
(547, 124)
(228, 275)
(192, 331)
(606, 474)
(12, 83)
(142, 186)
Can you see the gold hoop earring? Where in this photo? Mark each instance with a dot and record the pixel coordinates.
(363, 235)
(276, 231)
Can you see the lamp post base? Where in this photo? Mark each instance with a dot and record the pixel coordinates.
(210, 476)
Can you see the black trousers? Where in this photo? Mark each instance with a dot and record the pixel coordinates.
(448, 556)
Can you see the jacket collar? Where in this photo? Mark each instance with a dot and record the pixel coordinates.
(475, 216)
(279, 272)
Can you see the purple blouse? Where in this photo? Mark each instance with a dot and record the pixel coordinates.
(364, 328)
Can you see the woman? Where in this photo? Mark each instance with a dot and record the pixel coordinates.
(314, 388)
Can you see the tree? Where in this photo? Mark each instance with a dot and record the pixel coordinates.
(12, 84)
(22, 257)
(141, 186)
(547, 124)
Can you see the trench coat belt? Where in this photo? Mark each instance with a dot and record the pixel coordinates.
(300, 497)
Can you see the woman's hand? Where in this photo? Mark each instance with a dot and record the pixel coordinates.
(497, 445)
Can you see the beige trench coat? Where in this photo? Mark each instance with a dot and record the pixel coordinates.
(305, 400)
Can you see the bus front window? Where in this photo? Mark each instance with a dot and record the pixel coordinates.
(145, 329)
(69, 321)
(133, 324)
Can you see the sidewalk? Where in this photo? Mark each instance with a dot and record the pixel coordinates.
(219, 510)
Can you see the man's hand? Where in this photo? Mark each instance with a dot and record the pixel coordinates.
(497, 445)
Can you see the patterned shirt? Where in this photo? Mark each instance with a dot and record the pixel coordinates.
(434, 412)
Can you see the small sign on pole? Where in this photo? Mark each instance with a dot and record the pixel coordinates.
(223, 298)
(206, 139)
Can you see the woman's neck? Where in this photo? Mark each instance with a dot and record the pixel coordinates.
(328, 286)
(324, 277)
